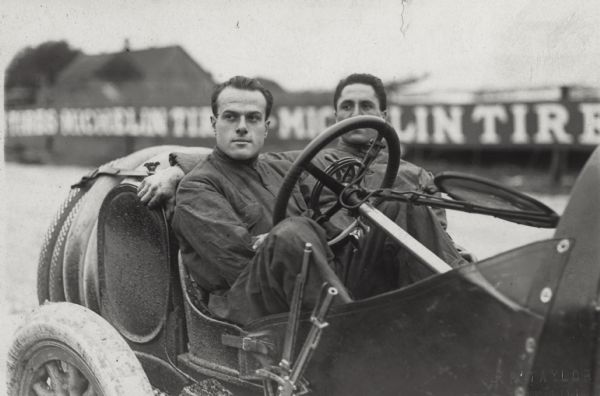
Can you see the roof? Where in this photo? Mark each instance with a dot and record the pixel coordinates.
(165, 76)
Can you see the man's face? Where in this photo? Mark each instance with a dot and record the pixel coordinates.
(358, 99)
(240, 125)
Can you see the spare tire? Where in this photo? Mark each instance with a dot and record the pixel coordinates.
(63, 276)
(89, 287)
(71, 254)
(47, 250)
(84, 222)
(55, 279)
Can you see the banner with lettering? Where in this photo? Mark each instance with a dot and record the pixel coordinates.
(499, 124)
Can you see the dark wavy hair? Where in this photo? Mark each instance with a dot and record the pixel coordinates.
(362, 78)
(245, 83)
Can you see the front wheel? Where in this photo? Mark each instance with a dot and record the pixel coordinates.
(65, 349)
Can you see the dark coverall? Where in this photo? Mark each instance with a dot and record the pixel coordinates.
(410, 176)
(222, 205)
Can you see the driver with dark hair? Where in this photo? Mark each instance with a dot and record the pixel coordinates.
(224, 213)
(364, 94)
(360, 94)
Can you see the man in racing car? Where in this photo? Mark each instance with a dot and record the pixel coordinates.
(357, 94)
(223, 218)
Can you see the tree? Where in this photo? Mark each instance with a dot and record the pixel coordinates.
(33, 67)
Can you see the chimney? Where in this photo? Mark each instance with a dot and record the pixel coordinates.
(126, 45)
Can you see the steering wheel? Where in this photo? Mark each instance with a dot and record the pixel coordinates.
(340, 189)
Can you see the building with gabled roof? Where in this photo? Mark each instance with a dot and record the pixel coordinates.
(163, 76)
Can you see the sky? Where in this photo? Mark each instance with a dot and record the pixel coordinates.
(311, 44)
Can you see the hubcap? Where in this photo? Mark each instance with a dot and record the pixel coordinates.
(54, 369)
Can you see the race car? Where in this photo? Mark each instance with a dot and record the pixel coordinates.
(120, 314)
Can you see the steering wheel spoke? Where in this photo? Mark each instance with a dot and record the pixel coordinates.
(343, 174)
(328, 181)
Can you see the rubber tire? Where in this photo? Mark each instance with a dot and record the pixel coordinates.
(86, 337)
(76, 257)
(52, 285)
(50, 263)
(77, 238)
(47, 250)
(55, 279)
(89, 288)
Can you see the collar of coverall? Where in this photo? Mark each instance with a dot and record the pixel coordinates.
(218, 153)
(359, 150)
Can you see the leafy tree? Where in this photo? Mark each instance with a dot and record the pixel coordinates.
(33, 67)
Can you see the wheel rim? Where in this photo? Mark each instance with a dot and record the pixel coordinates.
(54, 369)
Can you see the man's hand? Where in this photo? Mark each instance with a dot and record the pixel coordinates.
(159, 189)
(258, 240)
(464, 253)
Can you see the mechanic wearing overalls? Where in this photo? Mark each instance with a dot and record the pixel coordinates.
(223, 220)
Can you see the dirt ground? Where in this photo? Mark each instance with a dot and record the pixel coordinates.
(33, 193)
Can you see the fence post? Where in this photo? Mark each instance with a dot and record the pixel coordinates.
(557, 166)
(558, 162)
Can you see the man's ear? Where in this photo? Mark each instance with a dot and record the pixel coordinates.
(384, 115)
(335, 117)
(213, 122)
(267, 125)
